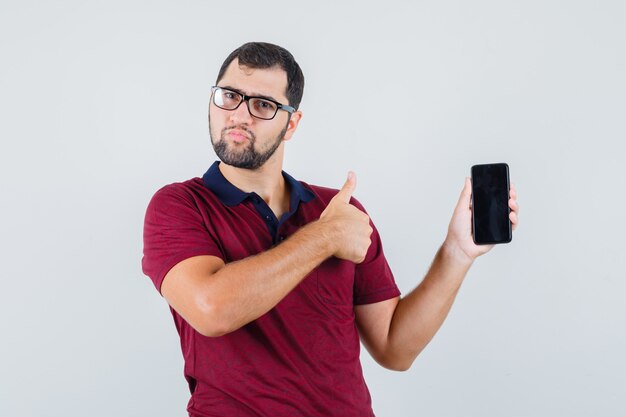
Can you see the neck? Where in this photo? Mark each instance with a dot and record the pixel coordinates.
(267, 181)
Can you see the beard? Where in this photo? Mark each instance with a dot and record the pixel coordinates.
(246, 157)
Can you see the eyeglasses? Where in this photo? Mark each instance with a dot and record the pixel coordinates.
(259, 107)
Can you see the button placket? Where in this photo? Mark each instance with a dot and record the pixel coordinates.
(264, 211)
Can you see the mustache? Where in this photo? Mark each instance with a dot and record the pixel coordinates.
(243, 128)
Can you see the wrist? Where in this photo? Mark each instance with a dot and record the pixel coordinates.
(452, 252)
(325, 232)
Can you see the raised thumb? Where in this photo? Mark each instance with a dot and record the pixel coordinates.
(466, 195)
(348, 188)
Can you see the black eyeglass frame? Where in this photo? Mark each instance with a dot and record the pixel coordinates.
(279, 106)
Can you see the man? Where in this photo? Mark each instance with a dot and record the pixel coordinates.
(271, 281)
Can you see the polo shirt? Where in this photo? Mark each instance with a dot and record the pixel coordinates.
(301, 358)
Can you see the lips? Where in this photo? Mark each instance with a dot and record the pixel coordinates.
(238, 136)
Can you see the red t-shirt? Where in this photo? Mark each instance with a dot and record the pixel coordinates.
(302, 357)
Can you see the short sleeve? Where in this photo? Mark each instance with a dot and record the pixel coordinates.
(174, 230)
(373, 280)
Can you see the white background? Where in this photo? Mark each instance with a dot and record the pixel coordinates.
(104, 102)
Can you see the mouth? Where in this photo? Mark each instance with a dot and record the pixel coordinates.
(238, 136)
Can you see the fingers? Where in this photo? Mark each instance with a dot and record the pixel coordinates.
(348, 188)
(513, 199)
(514, 214)
(514, 219)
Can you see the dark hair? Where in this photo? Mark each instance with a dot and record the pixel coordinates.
(261, 55)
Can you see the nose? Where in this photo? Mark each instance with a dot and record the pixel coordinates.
(241, 115)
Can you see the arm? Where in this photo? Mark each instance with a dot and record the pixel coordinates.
(217, 298)
(396, 331)
(408, 324)
(420, 314)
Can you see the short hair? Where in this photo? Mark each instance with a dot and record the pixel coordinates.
(262, 55)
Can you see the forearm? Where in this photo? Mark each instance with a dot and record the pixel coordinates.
(420, 314)
(244, 290)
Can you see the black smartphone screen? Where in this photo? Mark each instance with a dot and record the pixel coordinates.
(490, 204)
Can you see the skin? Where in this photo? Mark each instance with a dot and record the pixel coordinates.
(217, 298)
(267, 181)
(395, 331)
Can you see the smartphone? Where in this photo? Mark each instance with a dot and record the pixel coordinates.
(490, 204)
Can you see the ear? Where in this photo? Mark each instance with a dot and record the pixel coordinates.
(293, 124)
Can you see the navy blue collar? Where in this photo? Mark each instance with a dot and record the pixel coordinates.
(231, 195)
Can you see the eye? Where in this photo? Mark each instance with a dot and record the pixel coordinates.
(263, 107)
(227, 99)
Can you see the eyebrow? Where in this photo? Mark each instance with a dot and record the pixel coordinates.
(250, 95)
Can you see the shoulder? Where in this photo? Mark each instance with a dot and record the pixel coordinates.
(325, 194)
(181, 191)
(181, 196)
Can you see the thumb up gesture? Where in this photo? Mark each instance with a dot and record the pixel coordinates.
(349, 226)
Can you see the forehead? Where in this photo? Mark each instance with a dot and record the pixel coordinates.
(269, 82)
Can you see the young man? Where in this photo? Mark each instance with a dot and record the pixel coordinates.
(271, 281)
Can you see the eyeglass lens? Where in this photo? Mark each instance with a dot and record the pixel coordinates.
(258, 107)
